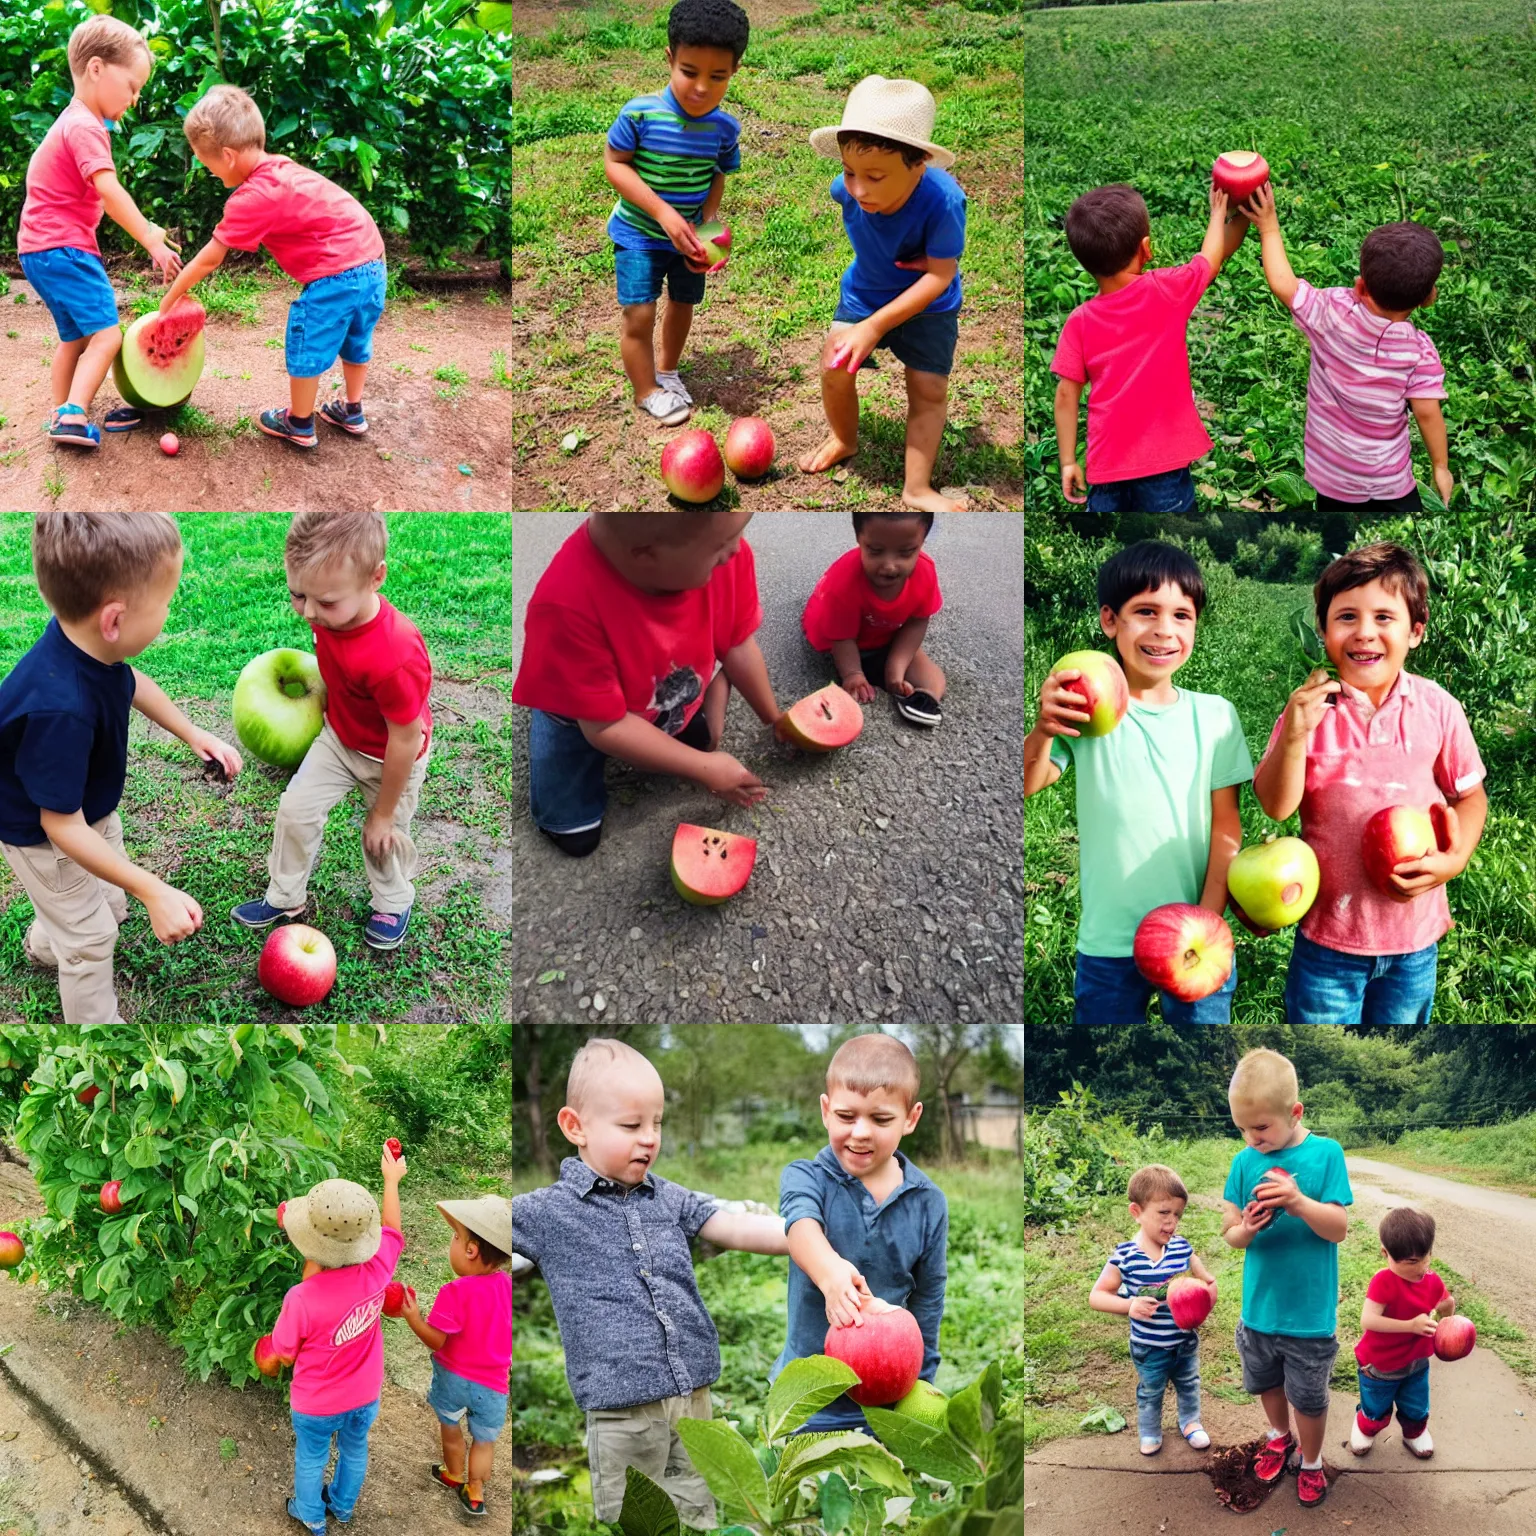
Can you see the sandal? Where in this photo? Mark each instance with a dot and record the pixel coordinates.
(71, 425)
(124, 419)
(665, 407)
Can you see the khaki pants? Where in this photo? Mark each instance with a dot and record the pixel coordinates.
(75, 931)
(327, 775)
(645, 1437)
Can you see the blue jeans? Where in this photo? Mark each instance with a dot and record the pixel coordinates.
(451, 1396)
(312, 1448)
(1110, 990)
(1411, 1395)
(1327, 986)
(1155, 1368)
(1162, 495)
(639, 276)
(334, 317)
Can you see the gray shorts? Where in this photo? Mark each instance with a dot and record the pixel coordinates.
(645, 1436)
(1303, 1366)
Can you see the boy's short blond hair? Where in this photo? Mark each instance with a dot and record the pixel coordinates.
(868, 1063)
(1155, 1182)
(1266, 1080)
(108, 39)
(225, 118)
(84, 559)
(596, 1060)
(359, 540)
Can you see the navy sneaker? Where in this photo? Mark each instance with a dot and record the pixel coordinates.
(347, 417)
(920, 708)
(280, 424)
(385, 930)
(258, 914)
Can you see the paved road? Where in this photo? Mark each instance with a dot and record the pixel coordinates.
(889, 876)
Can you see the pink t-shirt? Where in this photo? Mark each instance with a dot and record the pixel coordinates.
(845, 607)
(1402, 1300)
(475, 1311)
(1130, 348)
(1364, 371)
(329, 1326)
(63, 206)
(312, 227)
(1416, 749)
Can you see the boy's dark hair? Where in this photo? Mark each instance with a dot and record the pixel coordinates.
(861, 518)
(1401, 264)
(910, 154)
(1105, 227)
(1393, 566)
(84, 559)
(1407, 1234)
(708, 24)
(489, 1252)
(1153, 1182)
(1144, 567)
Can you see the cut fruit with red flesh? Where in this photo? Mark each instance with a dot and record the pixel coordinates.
(161, 358)
(824, 720)
(709, 867)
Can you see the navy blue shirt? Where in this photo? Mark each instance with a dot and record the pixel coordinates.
(63, 736)
(620, 1273)
(897, 1245)
(930, 223)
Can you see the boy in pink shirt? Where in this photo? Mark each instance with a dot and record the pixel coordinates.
(1346, 748)
(70, 182)
(1129, 345)
(470, 1335)
(319, 234)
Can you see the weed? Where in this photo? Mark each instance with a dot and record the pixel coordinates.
(454, 378)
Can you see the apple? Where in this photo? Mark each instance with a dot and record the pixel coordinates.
(1240, 173)
(297, 965)
(12, 1250)
(1190, 1301)
(1398, 835)
(716, 239)
(170, 443)
(279, 706)
(749, 447)
(926, 1404)
(393, 1144)
(885, 1351)
(1102, 686)
(394, 1298)
(1454, 1337)
(1276, 882)
(283, 1206)
(88, 1096)
(267, 1359)
(1184, 950)
(111, 1197)
(692, 467)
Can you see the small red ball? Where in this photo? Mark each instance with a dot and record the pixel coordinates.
(170, 443)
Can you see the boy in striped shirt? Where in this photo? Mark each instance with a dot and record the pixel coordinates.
(667, 156)
(1161, 1350)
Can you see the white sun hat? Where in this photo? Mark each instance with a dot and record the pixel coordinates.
(902, 110)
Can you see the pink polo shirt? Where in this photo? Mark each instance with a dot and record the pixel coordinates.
(1130, 348)
(63, 206)
(1416, 749)
(475, 1311)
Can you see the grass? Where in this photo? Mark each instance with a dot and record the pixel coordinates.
(1496, 1155)
(448, 574)
(453, 378)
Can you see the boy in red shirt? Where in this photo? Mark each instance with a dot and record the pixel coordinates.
(1129, 344)
(377, 734)
(635, 635)
(1397, 1334)
(870, 612)
(319, 234)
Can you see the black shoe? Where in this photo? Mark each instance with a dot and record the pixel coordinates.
(330, 1509)
(475, 1508)
(920, 708)
(577, 844)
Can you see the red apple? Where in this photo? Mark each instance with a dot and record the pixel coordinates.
(1454, 1337)
(268, 1361)
(169, 443)
(1240, 173)
(1102, 686)
(297, 965)
(88, 1096)
(281, 1208)
(886, 1351)
(1190, 1301)
(1276, 882)
(692, 467)
(749, 447)
(394, 1298)
(1185, 950)
(1398, 835)
(12, 1250)
(111, 1197)
(394, 1147)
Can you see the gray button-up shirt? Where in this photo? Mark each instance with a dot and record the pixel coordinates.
(632, 1323)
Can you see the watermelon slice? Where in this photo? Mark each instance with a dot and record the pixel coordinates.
(709, 867)
(161, 357)
(824, 720)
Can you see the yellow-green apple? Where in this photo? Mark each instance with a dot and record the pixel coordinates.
(1240, 173)
(885, 1351)
(297, 965)
(1454, 1337)
(749, 447)
(1101, 685)
(12, 1250)
(692, 467)
(716, 239)
(279, 706)
(1274, 882)
(1184, 950)
(1399, 834)
(926, 1404)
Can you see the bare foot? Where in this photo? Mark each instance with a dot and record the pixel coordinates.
(831, 452)
(929, 500)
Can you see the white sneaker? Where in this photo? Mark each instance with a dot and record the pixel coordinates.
(666, 407)
(1151, 1447)
(1421, 1445)
(1360, 1442)
(1197, 1436)
(674, 385)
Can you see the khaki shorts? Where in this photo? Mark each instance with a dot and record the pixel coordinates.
(645, 1437)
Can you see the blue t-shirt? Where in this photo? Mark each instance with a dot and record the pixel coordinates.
(63, 736)
(1137, 1270)
(930, 223)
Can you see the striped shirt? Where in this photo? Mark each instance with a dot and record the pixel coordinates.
(676, 156)
(1137, 1270)
(1364, 371)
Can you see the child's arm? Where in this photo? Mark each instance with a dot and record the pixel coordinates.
(1061, 712)
(636, 741)
(1222, 236)
(625, 180)
(124, 212)
(858, 341)
(393, 1170)
(1226, 840)
(843, 1286)
(903, 648)
(1432, 429)
(150, 700)
(745, 1232)
(1277, 267)
(1374, 1318)
(1464, 821)
(1069, 395)
(850, 670)
(1240, 1227)
(1200, 1272)
(400, 753)
(744, 665)
(204, 264)
(1281, 779)
(1105, 1296)
(410, 1310)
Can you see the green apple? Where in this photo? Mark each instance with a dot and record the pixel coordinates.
(926, 1404)
(1275, 882)
(279, 706)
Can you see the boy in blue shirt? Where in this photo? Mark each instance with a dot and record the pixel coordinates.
(866, 1229)
(903, 213)
(667, 157)
(1288, 1335)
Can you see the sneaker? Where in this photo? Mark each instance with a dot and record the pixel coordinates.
(474, 1508)
(1151, 1447)
(440, 1474)
(341, 416)
(1270, 1462)
(1421, 1445)
(920, 708)
(1360, 1442)
(1197, 1436)
(330, 1509)
(674, 385)
(1311, 1486)
(261, 914)
(669, 409)
(71, 425)
(315, 1530)
(276, 424)
(385, 930)
(577, 844)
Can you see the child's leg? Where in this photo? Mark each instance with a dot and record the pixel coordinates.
(675, 322)
(635, 347)
(482, 1453)
(1277, 1408)
(716, 697)
(1310, 1429)
(61, 376)
(840, 401)
(1325, 986)
(311, 1450)
(351, 1458)
(925, 673)
(1151, 1387)
(454, 1457)
(301, 396)
(355, 374)
(927, 394)
(92, 365)
(1186, 1384)
(391, 880)
(324, 779)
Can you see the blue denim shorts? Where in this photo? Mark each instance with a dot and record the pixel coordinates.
(640, 273)
(926, 342)
(451, 1395)
(73, 284)
(1161, 495)
(1327, 986)
(335, 316)
(1108, 989)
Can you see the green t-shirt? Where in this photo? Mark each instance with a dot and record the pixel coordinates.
(1290, 1274)
(1144, 810)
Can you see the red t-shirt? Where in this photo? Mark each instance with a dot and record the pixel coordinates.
(1400, 1301)
(475, 1311)
(378, 672)
(845, 607)
(63, 206)
(598, 648)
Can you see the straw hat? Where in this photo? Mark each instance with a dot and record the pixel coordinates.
(335, 1224)
(489, 1217)
(901, 110)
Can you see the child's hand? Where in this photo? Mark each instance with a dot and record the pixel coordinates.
(1277, 1191)
(859, 686)
(1256, 1217)
(1305, 709)
(1260, 208)
(733, 781)
(1413, 877)
(1061, 711)
(390, 1166)
(923, 263)
(848, 349)
(1073, 486)
(898, 684)
(1445, 483)
(172, 914)
(1144, 1307)
(683, 236)
(876, 1305)
(163, 253)
(211, 749)
(846, 1291)
(409, 1307)
(379, 835)
(1423, 1324)
(1220, 202)
(1446, 1307)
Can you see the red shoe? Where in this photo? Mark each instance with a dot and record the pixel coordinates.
(1311, 1486)
(1270, 1462)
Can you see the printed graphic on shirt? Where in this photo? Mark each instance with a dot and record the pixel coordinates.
(674, 693)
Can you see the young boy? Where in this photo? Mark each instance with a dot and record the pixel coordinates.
(377, 735)
(109, 578)
(636, 633)
(667, 157)
(1367, 360)
(70, 182)
(1157, 798)
(320, 235)
(1160, 1349)
(1287, 1336)
(1397, 1334)
(611, 1240)
(1130, 345)
(870, 612)
(867, 1229)
(902, 213)
(1345, 749)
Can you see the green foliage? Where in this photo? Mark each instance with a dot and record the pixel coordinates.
(1067, 1162)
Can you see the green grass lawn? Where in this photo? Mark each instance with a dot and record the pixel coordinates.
(449, 574)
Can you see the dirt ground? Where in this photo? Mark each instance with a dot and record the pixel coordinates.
(410, 460)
